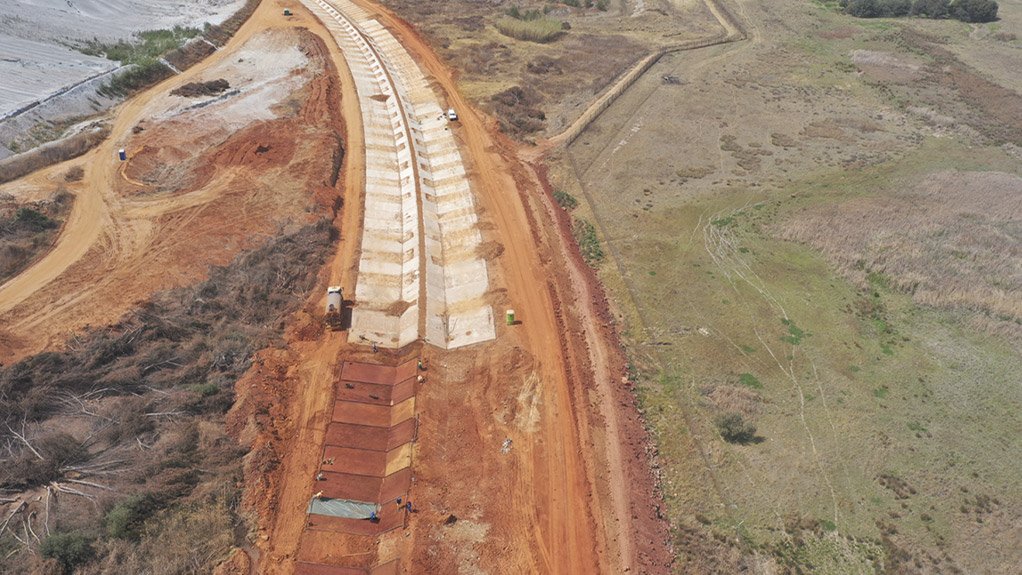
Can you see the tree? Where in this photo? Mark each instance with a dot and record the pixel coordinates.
(974, 10)
(70, 549)
(931, 8)
(734, 428)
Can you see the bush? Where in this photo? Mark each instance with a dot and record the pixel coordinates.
(126, 519)
(33, 221)
(518, 110)
(734, 428)
(588, 243)
(71, 550)
(136, 78)
(565, 200)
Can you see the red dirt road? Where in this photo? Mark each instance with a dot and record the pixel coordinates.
(600, 496)
(571, 492)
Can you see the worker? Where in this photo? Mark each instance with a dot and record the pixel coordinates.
(422, 366)
(399, 502)
(375, 348)
(372, 517)
(408, 506)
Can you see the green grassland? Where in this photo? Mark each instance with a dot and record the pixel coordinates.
(886, 431)
(879, 430)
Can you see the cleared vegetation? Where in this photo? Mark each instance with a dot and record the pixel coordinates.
(52, 153)
(114, 450)
(26, 231)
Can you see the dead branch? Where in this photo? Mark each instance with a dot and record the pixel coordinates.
(25, 441)
(96, 391)
(13, 513)
(165, 414)
(172, 361)
(46, 518)
(28, 524)
(90, 484)
(93, 468)
(70, 491)
(75, 402)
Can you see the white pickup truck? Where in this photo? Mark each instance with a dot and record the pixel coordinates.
(452, 115)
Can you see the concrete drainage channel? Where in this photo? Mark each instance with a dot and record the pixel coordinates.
(419, 210)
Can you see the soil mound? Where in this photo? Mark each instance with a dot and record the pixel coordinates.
(196, 89)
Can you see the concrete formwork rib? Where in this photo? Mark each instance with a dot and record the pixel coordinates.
(456, 277)
(387, 288)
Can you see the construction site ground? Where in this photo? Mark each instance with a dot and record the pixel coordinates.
(529, 454)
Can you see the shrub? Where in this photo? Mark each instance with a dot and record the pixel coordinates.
(734, 428)
(136, 78)
(588, 243)
(71, 550)
(518, 110)
(125, 520)
(565, 200)
(17, 166)
(32, 220)
(74, 174)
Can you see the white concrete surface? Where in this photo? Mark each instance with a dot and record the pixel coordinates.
(456, 279)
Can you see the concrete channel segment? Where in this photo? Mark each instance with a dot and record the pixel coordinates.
(419, 210)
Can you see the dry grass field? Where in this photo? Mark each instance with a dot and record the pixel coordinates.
(818, 229)
(952, 240)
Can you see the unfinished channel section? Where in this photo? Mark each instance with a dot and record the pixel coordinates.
(364, 476)
(420, 223)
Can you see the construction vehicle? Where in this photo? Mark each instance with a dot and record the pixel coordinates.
(334, 307)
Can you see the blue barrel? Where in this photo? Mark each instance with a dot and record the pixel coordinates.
(122, 154)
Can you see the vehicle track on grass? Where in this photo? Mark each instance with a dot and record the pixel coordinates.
(734, 30)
